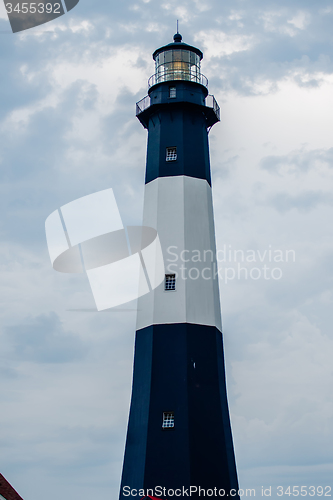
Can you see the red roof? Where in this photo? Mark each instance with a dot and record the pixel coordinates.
(7, 491)
(152, 498)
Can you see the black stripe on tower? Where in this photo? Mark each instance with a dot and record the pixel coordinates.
(179, 122)
(179, 368)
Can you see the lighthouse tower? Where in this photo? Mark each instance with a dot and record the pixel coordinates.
(179, 434)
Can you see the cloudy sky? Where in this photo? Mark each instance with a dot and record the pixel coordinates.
(68, 129)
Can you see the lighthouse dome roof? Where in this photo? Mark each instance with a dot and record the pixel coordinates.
(177, 44)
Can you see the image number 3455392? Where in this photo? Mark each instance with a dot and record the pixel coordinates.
(24, 15)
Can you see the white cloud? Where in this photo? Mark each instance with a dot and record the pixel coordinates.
(300, 20)
(218, 44)
(277, 21)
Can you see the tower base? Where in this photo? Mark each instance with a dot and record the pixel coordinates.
(179, 370)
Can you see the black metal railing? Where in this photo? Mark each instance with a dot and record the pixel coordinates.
(175, 75)
(210, 102)
(142, 105)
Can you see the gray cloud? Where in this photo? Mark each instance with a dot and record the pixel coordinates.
(305, 201)
(298, 161)
(43, 340)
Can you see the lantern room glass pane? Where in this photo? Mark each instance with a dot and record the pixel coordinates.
(186, 55)
(168, 56)
(177, 64)
(194, 58)
(176, 55)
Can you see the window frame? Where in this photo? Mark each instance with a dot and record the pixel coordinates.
(172, 280)
(172, 156)
(167, 419)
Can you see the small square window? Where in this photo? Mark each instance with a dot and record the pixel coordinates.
(172, 92)
(168, 420)
(171, 154)
(170, 282)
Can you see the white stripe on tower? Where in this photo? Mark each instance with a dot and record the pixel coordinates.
(180, 209)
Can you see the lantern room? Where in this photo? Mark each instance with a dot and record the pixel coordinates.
(177, 61)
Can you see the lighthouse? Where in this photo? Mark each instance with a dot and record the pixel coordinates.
(179, 440)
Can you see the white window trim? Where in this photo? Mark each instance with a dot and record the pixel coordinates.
(166, 418)
(172, 156)
(173, 277)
